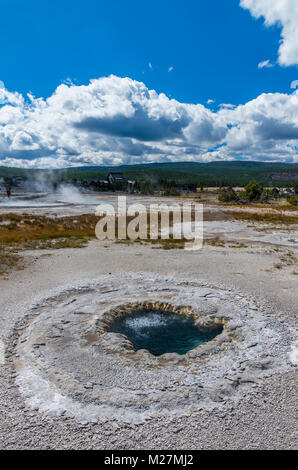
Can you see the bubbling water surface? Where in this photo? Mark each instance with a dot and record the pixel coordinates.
(161, 333)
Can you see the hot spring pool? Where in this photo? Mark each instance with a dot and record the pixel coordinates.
(72, 363)
(162, 333)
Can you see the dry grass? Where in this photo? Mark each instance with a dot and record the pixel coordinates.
(25, 231)
(30, 232)
(214, 242)
(218, 242)
(164, 244)
(245, 214)
(170, 244)
(238, 245)
(265, 218)
(287, 259)
(34, 232)
(56, 243)
(39, 232)
(9, 261)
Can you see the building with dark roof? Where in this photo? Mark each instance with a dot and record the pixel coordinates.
(117, 178)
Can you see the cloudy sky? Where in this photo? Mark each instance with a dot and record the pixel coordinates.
(112, 82)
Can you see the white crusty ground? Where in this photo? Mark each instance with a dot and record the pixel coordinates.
(265, 418)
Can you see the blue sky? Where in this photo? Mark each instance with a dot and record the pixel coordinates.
(214, 47)
(192, 51)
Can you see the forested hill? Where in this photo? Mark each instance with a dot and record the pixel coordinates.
(209, 174)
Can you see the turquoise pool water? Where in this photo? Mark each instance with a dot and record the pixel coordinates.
(161, 333)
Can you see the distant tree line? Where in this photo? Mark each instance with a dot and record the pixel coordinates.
(255, 192)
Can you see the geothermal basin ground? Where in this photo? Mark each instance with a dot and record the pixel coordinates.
(69, 382)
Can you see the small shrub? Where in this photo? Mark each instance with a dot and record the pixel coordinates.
(227, 195)
(146, 188)
(293, 200)
(172, 191)
(253, 191)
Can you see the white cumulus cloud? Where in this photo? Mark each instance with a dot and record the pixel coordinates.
(283, 13)
(115, 120)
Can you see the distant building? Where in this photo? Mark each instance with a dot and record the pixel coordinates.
(99, 185)
(289, 192)
(117, 179)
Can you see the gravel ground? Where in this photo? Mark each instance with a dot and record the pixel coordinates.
(264, 417)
